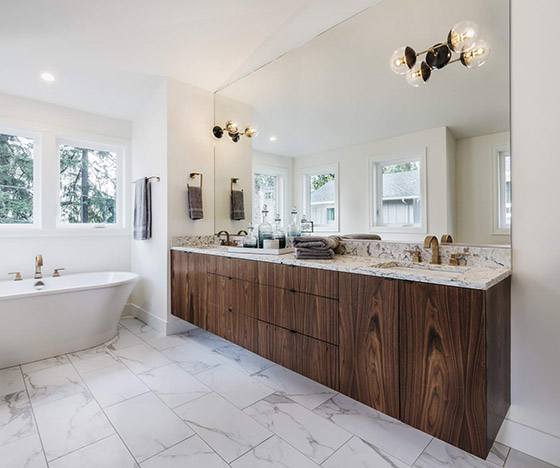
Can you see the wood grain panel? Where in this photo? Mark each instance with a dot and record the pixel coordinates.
(217, 290)
(319, 362)
(244, 269)
(179, 283)
(237, 295)
(442, 363)
(219, 321)
(196, 310)
(498, 355)
(315, 316)
(369, 342)
(307, 280)
(244, 331)
(219, 265)
(279, 345)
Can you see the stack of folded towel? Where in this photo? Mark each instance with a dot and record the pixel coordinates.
(317, 248)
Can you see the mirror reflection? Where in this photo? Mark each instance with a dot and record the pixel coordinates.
(356, 148)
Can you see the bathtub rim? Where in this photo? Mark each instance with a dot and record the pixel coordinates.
(132, 278)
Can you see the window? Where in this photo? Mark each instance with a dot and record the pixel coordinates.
(320, 197)
(16, 180)
(89, 184)
(399, 199)
(502, 191)
(268, 189)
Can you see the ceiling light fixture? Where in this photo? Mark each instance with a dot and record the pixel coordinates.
(272, 138)
(462, 39)
(46, 76)
(232, 129)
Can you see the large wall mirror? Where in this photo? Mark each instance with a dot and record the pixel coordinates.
(357, 149)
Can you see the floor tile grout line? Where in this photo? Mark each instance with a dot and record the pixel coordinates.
(108, 420)
(336, 451)
(421, 453)
(80, 448)
(194, 434)
(253, 448)
(34, 417)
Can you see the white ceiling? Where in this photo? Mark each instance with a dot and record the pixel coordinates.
(107, 55)
(338, 89)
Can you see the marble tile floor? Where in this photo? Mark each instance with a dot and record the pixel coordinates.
(195, 400)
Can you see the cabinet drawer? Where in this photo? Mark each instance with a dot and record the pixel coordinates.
(240, 296)
(307, 280)
(233, 267)
(237, 328)
(315, 316)
(307, 356)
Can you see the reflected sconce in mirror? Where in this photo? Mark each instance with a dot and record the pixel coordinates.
(232, 130)
(462, 39)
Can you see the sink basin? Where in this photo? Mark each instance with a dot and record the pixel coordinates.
(445, 271)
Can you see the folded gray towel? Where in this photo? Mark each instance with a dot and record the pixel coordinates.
(314, 254)
(362, 236)
(195, 202)
(237, 205)
(142, 209)
(316, 242)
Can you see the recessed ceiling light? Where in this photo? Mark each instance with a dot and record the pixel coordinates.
(272, 138)
(46, 76)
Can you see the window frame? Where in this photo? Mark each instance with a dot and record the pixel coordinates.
(498, 190)
(375, 192)
(37, 179)
(282, 175)
(306, 201)
(119, 225)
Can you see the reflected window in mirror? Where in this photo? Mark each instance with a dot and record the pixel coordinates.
(399, 194)
(320, 197)
(502, 191)
(268, 189)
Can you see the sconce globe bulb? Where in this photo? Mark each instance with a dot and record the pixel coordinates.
(402, 60)
(462, 36)
(419, 74)
(231, 127)
(477, 56)
(251, 132)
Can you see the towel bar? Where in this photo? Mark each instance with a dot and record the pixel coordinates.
(234, 180)
(192, 175)
(151, 177)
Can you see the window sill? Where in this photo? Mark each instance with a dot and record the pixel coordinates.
(62, 233)
(398, 230)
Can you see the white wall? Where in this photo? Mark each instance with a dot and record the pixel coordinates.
(475, 177)
(354, 179)
(533, 423)
(171, 137)
(77, 252)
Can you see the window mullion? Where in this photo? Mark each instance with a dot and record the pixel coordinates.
(48, 198)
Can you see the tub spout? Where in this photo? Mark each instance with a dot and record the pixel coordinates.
(38, 265)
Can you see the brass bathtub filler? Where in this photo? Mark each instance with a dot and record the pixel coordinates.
(38, 265)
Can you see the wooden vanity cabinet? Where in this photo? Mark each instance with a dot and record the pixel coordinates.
(436, 357)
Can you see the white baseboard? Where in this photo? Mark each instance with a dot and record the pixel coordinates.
(531, 441)
(146, 317)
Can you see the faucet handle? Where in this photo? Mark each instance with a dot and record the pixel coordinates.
(454, 261)
(415, 255)
(18, 275)
(57, 271)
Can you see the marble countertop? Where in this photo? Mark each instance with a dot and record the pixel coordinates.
(472, 277)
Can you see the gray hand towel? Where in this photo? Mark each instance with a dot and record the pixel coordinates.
(237, 205)
(142, 209)
(316, 242)
(195, 202)
(314, 254)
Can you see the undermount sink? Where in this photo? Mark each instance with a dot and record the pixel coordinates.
(440, 270)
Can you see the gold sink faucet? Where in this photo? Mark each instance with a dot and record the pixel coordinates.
(227, 241)
(432, 242)
(38, 265)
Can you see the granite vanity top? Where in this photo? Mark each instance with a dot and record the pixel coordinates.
(472, 277)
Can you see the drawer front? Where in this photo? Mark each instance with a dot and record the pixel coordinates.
(310, 315)
(312, 358)
(237, 328)
(233, 267)
(307, 280)
(229, 293)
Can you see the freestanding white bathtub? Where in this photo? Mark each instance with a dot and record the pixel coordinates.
(72, 312)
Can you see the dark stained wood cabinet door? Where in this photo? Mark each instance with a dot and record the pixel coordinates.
(179, 283)
(196, 310)
(243, 269)
(443, 363)
(216, 291)
(369, 341)
(319, 361)
(219, 321)
(242, 296)
(219, 265)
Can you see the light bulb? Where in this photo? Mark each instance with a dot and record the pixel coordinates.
(46, 76)
(403, 60)
(419, 74)
(477, 56)
(251, 132)
(462, 36)
(231, 127)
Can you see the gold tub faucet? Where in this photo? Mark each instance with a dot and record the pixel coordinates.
(38, 265)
